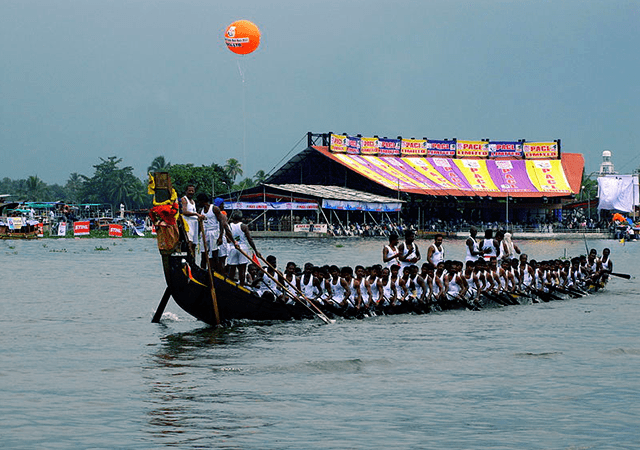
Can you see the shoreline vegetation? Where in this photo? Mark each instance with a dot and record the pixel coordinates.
(104, 234)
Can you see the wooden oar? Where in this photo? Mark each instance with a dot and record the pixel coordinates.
(578, 289)
(317, 311)
(494, 297)
(564, 291)
(321, 314)
(162, 305)
(626, 276)
(456, 298)
(585, 242)
(214, 299)
(522, 293)
(549, 295)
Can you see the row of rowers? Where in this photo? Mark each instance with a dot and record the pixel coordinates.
(378, 286)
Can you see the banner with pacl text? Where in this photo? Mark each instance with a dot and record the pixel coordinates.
(338, 143)
(472, 149)
(363, 166)
(510, 175)
(389, 147)
(448, 168)
(441, 149)
(424, 167)
(477, 175)
(540, 150)
(548, 176)
(369, 146)
(452, 176)
(81, 228)
(413, 147)
(505, 149)
(435, 148)
(353, 145)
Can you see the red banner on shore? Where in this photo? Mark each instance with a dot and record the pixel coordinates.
(81, 228)
(115, 230)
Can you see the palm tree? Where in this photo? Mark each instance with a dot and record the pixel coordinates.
(120, 187)
(259, 177)
(159, 164)
(73, 187)
(233, 168)
(138, 197)
(34, 188)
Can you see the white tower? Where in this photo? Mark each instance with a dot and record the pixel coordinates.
(606, 168)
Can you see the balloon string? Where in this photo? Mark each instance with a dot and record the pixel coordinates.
(240, 70)
(244, 119)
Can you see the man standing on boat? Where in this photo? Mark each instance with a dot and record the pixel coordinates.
(242, 241)
(435, 253)
(213, 226)
(408, 251)
(390, 252)
(490, 245)
(473, 248)
(191, 216)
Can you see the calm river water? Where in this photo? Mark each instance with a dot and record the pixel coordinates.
(82, 366)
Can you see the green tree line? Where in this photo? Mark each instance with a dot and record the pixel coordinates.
(113, 184)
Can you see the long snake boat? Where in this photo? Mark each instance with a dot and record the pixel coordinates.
(217, 300)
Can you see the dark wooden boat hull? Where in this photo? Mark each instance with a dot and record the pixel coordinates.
(234, 302)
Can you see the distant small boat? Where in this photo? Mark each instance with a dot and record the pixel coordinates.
(15, 227)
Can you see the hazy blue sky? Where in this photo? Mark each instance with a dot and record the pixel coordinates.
(86, 79)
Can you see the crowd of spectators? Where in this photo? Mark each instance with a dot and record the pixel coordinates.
(571, 222)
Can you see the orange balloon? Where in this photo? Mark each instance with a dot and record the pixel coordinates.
(242, 37)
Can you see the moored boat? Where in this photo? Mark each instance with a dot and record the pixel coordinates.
(16, 226)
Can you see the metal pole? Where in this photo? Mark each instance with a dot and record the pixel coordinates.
(507, 215)
(399, 200)
(264, 199)
(373, 218)
(325, 217)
